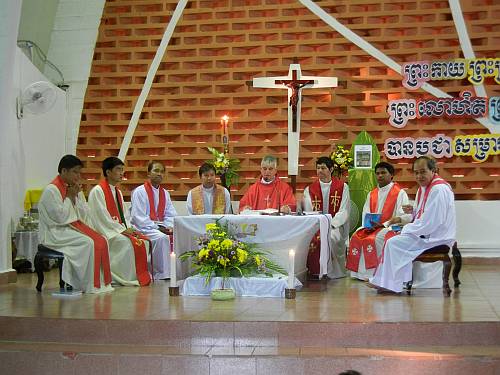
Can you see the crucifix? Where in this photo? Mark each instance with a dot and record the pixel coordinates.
(294, 82)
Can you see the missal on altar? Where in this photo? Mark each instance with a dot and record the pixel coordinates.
(371, 219)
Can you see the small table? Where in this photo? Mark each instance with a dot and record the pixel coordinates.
(27, 245)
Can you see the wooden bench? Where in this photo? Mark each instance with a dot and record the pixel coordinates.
(441, 254)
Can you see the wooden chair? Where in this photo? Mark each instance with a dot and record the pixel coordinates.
(47, 253)
(437, 254)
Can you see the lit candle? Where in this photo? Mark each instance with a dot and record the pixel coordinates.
(291, 269)
(173, 274)
(224, 132)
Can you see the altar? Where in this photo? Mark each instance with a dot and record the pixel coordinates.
(276, 234)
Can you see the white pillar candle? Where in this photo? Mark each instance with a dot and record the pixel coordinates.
(291, 269)
(173, 273)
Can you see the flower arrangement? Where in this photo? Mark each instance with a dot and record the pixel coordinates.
(342, 160)
(220, 253)
(225, 167)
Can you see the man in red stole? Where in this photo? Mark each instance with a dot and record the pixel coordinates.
(153, 215)
(269, 192)
(127, 247)
(64, 227)
(329, 196)
(208, 198)
(434, 224)
(366, 243)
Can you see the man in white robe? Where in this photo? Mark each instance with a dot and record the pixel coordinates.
(127, 247)
(329, 195)
(209, 197)
(434, 224)
(64, 220)
(388, 200)
(153, 214)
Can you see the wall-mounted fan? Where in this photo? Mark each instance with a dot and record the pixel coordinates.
(38, 97)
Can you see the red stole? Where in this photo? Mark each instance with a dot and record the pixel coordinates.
(136, 239)
(334, 197)
(274, 195)
(101, 253)
(436, 180)
(334, 200)
(155, 213)
(364, 239)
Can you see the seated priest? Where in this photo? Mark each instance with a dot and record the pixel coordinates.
(434, 224)
(127, 247)
(269, 191)
(387, 199)
(328, 195)
(153, 215)
(209, 197)
(65, 226)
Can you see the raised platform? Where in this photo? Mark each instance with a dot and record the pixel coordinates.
(331, 326)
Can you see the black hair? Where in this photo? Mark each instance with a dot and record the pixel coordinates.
(431, 162)
(110, 163)
(205, 167)
(68, 162)
(152, 163)
(386, 165)
(326, 161)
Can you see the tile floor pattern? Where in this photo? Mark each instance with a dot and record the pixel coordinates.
(343, 300)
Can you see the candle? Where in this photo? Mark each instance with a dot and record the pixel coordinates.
(173, 274)
(291, 269)
(224, 132)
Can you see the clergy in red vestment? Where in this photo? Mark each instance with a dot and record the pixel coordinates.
(328, 195)
(387, 199)
(269, 191)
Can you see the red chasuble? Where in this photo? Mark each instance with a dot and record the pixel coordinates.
(334, 200)
(364, 239)
(155, 213)
(136, 239)
(101, 254)
(274, 195)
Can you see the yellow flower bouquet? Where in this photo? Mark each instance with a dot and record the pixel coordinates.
(225, 167)
(342, 160)
(220, 253)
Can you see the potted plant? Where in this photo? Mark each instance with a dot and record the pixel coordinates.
(226, 168)
(221, 254)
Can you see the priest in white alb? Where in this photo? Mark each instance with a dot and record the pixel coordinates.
(128, 248)
(434, 224)
(387, 199)
(208, 198)
(153, 215)
(328, 195)
(65, 226)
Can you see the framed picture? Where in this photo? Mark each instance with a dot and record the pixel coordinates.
(363, 156)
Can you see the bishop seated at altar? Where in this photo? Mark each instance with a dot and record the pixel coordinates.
(209, 197)
(387, 200)
(328, 195)
(66, 226)
(434, 224)
(153, 214)
(128, 248)
(269, 192)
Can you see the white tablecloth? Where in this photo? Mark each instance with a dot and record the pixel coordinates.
(243, 286)
(277, 234)
(27, 245)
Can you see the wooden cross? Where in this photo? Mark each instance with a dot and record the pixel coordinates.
(294, 82)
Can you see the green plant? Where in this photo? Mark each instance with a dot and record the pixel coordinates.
(220, 253)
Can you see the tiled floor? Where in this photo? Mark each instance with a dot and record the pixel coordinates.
(343, 300)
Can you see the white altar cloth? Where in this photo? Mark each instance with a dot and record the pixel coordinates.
(243, 286)
(276, 234)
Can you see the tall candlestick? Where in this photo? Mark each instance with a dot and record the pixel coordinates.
(173, 272)
(225, 133)
(291, 269)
